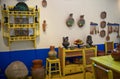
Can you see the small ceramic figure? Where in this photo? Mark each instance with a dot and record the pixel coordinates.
(44, 25)
(70, 20)
(89, 41)
(65, 42)
(44, 3)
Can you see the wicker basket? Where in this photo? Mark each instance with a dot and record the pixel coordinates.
(116, 56)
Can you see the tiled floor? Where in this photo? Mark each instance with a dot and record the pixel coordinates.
(72, 76)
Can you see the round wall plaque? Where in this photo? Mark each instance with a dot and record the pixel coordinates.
(103, 24)
(102, 33)
(103, 15)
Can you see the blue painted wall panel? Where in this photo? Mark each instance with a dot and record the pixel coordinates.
(26, 56)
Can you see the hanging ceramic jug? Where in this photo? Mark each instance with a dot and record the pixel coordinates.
(70, 20)
(52, 54)
(81, 21)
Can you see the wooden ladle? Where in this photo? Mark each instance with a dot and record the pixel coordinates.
(118, 35)
(107, 37)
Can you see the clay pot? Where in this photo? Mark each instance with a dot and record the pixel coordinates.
(52, 54)
(37, 64)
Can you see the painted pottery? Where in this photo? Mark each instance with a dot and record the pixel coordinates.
(52, 54)
(81, 21)
(89, 41)
(65, 42)
(70, 20)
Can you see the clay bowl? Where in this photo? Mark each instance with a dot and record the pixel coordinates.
(116, 56)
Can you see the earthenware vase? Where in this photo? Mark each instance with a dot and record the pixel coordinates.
(65, 42)
(52, 54)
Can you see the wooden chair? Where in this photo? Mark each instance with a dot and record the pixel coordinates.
(102, 73)
(88, 53)
(109, 46)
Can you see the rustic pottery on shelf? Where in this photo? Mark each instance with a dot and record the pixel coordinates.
(65, 42)
(89, 41)
(78, 42)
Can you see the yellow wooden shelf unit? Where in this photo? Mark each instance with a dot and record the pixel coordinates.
(76, 62)
(20, 25)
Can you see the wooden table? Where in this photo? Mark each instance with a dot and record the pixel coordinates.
(108, 62)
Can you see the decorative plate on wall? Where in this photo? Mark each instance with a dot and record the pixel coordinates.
(102, 33)
(44, 3)
(21, 6)
(103, 24)
(103, 15)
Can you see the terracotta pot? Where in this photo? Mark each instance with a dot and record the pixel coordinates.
(52, 53)
(38, 73)
(37, 63)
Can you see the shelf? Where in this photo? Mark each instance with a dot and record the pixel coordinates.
(73, 54)
(20, 25)
(73, 61)
(20, 38)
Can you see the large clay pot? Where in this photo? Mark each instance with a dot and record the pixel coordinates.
(37, 63)
(16, 70)
(38, 71)
(52, 54)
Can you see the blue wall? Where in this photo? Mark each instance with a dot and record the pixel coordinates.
(26, 56)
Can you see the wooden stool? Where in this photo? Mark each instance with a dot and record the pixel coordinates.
(49, 66)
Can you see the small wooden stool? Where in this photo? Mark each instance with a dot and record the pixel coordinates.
(49, 66)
